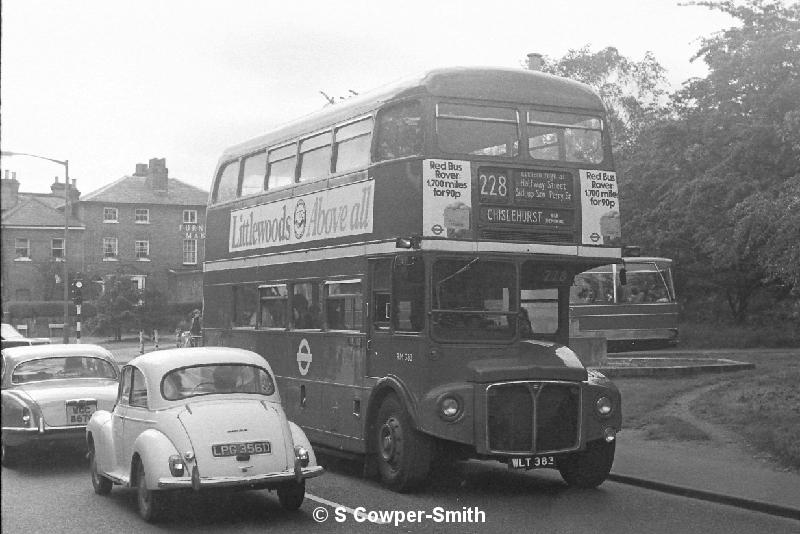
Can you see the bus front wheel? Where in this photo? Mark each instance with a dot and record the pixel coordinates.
(403, 453)
(589, 468)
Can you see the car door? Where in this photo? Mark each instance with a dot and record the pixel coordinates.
(137, 419)
(118, 417)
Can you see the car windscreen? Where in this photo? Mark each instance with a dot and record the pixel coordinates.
(210, 379)
(60, 368)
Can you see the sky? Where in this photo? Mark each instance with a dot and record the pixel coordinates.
(108, 84)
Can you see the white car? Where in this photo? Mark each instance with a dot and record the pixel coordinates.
(198, 418)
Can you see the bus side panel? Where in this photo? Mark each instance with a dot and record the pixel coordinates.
(620, 322)
(321, 376)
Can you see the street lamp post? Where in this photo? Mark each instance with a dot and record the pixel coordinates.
(65, 163)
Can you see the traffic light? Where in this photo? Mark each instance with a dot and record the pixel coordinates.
(75, 291)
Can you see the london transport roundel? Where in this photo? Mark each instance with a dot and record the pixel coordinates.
(304, 357)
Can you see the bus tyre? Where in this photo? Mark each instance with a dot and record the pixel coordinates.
(589, 468)
(291, 494)
(403, 453)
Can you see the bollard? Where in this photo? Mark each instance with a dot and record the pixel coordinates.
(155, 339)
(141, 341)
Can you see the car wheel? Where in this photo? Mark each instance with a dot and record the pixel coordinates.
(10, 456)
(147, 500)
(291, 494)
(589, 468)
(404, 454)
(101, 485)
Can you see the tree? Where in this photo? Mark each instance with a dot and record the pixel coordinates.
(151, 311)
(634, 92)
(116, 306)
(716, 179)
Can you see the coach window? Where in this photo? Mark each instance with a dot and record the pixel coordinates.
(315, 157)
(306, 306)
(281, 166)
(399, 131)
(344, 305)
(274, 306)
(381, 307)
(245, 305)
(254, 173)
(352, 145)
(227, 182)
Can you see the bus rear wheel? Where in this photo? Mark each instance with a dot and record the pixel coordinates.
(589, 468)
(403, 453)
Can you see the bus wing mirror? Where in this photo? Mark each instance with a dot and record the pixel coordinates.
(623, 276)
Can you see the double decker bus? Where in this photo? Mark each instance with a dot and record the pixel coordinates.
(404, 260)
(641, 313)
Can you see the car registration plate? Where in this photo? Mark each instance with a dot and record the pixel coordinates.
(232, 449)
(79, 413)
(532, 462)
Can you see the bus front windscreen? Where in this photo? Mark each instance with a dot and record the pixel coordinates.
(473, 300)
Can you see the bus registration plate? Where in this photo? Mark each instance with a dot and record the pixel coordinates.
(532, 462)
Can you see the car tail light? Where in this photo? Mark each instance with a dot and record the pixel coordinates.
(302, 455)
(26, 417)
(176, 465)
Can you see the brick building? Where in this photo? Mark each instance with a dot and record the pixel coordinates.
(33, 241)
(147, 226)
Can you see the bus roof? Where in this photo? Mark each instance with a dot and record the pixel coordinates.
(489, 83)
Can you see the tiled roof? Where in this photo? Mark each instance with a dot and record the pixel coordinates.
(135, 190)
(33, 210)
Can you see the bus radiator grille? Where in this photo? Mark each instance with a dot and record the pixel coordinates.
(511, 417)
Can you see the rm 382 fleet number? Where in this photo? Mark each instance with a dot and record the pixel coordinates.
(404, 357)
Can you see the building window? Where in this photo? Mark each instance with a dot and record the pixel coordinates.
(142, 250)
(138, 282)
(57, 246)
(189, 216)
(22, 248)
(190, 251)
(109, 248)
(142, 216)
(110, 215)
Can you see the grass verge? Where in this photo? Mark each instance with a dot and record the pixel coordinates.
(761, 405)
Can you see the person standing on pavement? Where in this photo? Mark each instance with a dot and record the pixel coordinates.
(196, 329)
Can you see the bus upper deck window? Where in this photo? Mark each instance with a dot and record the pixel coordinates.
(565, 136)
(399, 132)
(254, 171)
(228, 182)
(315, 157)
(477, 130)
(352, 145)
(281, 166)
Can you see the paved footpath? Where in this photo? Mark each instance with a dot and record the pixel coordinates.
(694, 469)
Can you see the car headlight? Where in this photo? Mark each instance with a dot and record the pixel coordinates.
(176, 465)
(604, 406)
(450, 408)
(302, 455)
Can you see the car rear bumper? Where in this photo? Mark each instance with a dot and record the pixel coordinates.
(15, 436)
(252, 482)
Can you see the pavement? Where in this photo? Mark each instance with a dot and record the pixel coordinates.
(723, 474)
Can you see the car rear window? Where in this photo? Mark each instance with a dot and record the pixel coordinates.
(215, 379)
(59, 368)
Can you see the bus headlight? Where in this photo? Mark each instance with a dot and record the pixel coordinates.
(450, 408)
(604, 406)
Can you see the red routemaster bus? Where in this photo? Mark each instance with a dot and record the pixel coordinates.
(640, 314)
(378, 253)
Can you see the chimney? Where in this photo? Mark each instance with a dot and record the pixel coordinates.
(74, 197)
(141, 169)
(57, 189)
(535, 61)
(157, 174)
(9, 194)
